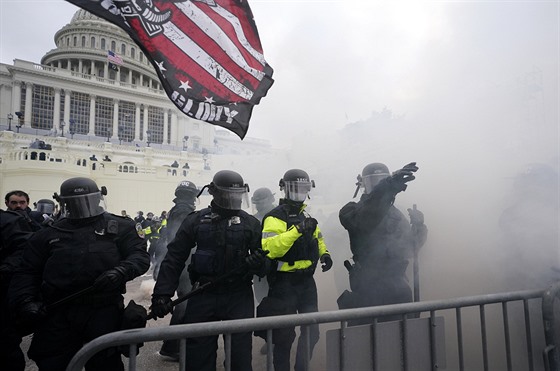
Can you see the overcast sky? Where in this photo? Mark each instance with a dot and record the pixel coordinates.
(337, 61)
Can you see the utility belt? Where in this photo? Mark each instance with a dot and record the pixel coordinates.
(100, 299)
(299, 272)
(234, 283)
(380, 267)
(293, 276)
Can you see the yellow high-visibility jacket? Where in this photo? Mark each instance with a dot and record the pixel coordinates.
(278, 239)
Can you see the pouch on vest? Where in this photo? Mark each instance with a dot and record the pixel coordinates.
(204, 262)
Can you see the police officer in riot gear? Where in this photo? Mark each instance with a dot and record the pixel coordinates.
(295, 244)
(228, 248)
(185, 203)
(382, 240)
(89, 251)
(263, 201)
(45, 206)
(44, 211)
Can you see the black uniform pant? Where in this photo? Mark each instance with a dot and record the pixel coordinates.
(178, 316)
(160, 250)
(217, 306)
(11, 355)
(67, 329)
(298, 292)
(372, 287)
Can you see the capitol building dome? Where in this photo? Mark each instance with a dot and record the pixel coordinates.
(96, 96)
(89, 38)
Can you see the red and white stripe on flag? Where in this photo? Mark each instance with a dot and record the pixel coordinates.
(114, 58)
(207, 54)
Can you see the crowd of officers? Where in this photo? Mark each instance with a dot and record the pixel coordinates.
(63, 278)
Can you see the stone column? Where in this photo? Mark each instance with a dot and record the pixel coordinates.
(91, 130)
(16, 96)
(67, 98)
(137, 123)
(56, 112)
(93, 71)
(59, 64)
(80, 66)
(165, 126)
(106, 70)
(28, 104)
(141, 80)
(115, 118)
(175, 140)
(130, 76)
(145, 136)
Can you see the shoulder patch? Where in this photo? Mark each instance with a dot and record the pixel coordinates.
(140, 231)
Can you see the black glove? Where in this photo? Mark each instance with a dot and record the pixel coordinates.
(307, 225)
(416, 216)
(111, 279)
(326, 262)
(161, 306)
(400, 177)
(256, 259)
(31, 314)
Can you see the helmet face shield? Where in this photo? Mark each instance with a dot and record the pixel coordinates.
(231, 198)
(83, 206)
(45, 208)
(297, 190)
(370, 181)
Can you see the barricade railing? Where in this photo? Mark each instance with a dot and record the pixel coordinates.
(551, 353)
(452, 309)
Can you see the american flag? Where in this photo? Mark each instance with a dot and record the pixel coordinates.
(207, 53)
(114, 58)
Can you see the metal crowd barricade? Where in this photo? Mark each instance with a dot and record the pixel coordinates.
(513, 329)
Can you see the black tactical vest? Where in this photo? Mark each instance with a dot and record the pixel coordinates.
(221, 245)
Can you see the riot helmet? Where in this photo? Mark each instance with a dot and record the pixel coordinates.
(263, 199)
(228, 190)
(372, 174)
(186, 190)
(296, 185)
(81, 198)
(156, 223)
(45, 206)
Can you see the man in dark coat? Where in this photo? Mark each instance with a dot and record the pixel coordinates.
(14, 232)
(19, 201)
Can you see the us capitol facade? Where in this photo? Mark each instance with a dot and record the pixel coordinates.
(57, 114)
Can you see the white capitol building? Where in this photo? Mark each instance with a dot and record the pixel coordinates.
(79, 107)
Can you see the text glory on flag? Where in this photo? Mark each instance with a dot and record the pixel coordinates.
(207, 53)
